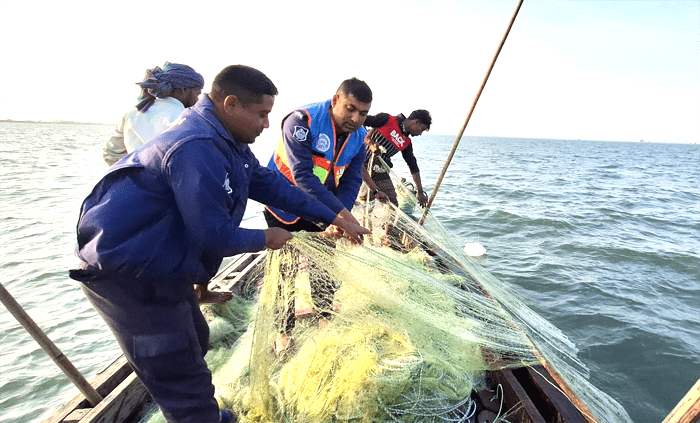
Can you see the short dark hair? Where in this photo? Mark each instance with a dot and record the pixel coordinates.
(423, 116)
(356, 88)
(246, 83)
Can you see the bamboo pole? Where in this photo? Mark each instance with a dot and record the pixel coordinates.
(688, 409)
(49, 347)
(469, 115)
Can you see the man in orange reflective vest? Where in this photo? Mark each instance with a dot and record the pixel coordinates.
(322, 151)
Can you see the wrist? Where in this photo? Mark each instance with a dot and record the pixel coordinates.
(376, 190)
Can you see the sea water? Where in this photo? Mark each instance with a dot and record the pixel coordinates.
(601, 238)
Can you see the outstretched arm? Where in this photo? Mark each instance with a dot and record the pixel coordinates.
(346, 224)
(412, 163)
(420, 194)
(275, 238)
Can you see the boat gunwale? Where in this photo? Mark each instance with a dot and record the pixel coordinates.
(236, 277)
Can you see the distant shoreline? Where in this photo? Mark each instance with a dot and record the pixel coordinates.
(62, 122)
(642, 141)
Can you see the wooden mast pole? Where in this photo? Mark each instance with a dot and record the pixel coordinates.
(469, 115)
(49, 347)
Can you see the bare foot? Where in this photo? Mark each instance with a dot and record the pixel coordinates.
(212, 297)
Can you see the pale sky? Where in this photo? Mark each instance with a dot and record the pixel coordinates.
(594, 70)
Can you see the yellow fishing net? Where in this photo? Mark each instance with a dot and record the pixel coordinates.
(400, 329)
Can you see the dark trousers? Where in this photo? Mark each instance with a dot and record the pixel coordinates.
(164, 336)
(322, 286)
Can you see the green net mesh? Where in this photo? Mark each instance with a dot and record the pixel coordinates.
(403, 328)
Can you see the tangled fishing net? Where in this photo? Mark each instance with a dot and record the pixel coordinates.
(403, 328)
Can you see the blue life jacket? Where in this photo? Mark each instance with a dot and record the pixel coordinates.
(328, 166)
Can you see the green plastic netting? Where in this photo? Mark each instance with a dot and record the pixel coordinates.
(403, 328)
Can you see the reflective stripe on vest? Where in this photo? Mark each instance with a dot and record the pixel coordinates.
(325, 159)
(283, 168)
(322, 168)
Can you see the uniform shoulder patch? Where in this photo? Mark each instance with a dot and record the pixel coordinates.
(300, 133)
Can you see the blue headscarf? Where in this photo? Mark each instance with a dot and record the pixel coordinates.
(160, 82)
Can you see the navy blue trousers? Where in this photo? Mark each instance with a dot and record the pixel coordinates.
(164, 336)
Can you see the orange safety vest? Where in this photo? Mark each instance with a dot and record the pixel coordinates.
(322, 137)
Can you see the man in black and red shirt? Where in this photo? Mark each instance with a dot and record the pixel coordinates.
(390, 135)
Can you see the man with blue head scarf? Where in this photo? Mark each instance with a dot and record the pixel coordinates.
(165, 93)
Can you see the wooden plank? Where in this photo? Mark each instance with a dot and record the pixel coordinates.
(517, 399)
(236, 265)
(76, 415)
(585, 411)
(104, 382)
(244, 273)
(48, 346)
(234, 284)
(128, 398)
(560, 406)
(688, 409)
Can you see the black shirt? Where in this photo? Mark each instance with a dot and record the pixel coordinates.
(381, 119)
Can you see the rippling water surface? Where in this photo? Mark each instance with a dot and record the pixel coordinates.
(601, 238)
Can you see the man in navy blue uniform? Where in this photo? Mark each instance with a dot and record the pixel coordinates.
(321, 150)
(164, 218)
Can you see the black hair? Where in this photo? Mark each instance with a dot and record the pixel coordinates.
(246, 83)
(146, 100)
(423, 116)
(356, 88)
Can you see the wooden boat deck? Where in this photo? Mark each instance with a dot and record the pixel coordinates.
(125, 399)
(530, 393)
